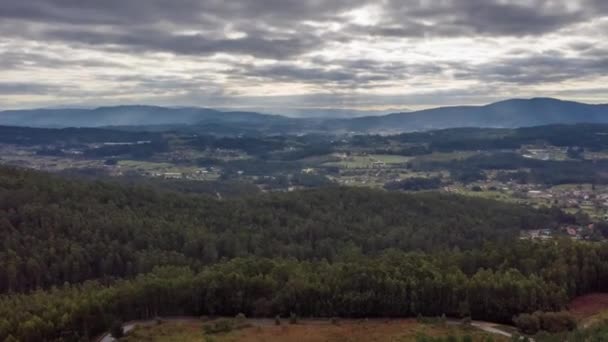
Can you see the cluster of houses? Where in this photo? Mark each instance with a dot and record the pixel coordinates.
(571, 231)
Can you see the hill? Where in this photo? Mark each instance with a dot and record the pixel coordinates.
(127, 116)
(78, 256)
(505, 114)
(103, 229)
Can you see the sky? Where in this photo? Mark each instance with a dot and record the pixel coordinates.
(297, 54)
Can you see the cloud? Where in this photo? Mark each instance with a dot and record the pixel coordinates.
(537, 69)
(361, 52)
(11, 88)
(33, 60)
(187, 44)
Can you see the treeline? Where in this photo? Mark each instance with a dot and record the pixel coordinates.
(414, 184)
(56, 231)
(494, 283)
(588, 136)
(526, 170)
(392, 286)
(551, 322)
(70, 136)
(135, 151)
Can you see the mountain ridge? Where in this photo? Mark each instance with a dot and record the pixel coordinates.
(510, 113)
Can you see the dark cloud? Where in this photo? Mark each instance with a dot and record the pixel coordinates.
(352, 73)
(165, 84)
(271, 28)
(32, 60)
(183, 12)
(187, 44)
(275, 29)
(266, 41)
(416, 18)
(537, 69)
(12, 88)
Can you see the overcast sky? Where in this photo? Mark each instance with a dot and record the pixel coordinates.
(360, 54)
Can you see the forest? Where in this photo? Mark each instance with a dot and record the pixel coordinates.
(79, 230)
(78, 255)
(492, 283)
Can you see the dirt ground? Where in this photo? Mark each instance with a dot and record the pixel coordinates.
(315, 331)
(589, 305)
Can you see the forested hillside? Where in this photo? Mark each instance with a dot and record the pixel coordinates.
(76, 230)
(79, 255)
(494, 283)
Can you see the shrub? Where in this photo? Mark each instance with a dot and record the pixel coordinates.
(293, 318)
(116, 330)
(241, 318)
(219, 326)
(528, 324)
(555, 322)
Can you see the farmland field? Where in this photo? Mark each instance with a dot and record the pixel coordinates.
(390, 159)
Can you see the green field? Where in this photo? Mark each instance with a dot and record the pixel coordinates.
(369, 161)
(443, 157)
(390, 159)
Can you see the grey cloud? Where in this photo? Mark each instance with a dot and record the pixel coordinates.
(355, 73)
(166, 84)
(184, 12)
(187, 44)
(289, 32)
(537, 69)
(275, 29)
(415, 18)
(18, 88)
(581, 46)
(31, 60)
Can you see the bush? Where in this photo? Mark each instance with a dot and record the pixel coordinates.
(555, 322)
(527, 324)
(293, 318)
(116, 330)
(241, 318)
(218, 327)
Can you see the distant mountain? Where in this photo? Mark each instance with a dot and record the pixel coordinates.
(504, 114)
(326, 113)
(127, 116)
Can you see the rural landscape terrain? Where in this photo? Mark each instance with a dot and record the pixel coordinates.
(304, 171)
(179, 234)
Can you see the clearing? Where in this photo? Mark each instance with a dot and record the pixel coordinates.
(310, 331)
(590, 309)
